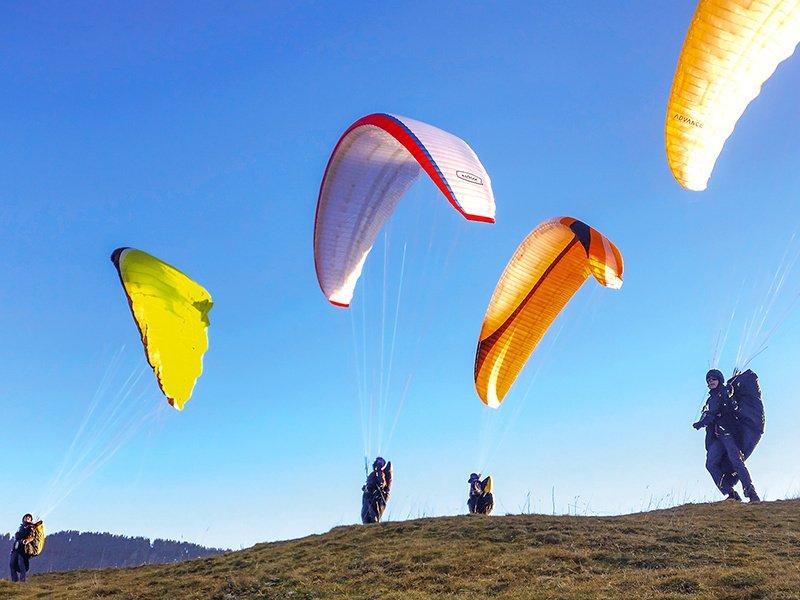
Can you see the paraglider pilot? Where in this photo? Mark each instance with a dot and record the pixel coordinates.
(376, 491)
(20, 558)
(481, 500)
(722, 428)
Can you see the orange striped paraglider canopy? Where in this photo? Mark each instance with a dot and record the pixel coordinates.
(544, 273)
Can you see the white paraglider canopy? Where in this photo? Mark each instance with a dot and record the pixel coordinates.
(374, 163)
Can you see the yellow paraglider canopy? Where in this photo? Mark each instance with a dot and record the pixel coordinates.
(171, 312)
(732, 47)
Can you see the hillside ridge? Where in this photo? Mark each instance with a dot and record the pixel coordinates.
(723, 550)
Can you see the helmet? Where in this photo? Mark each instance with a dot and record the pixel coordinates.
(473, 477)
(379, 463)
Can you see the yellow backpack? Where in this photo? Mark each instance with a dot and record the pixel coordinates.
(36, 545)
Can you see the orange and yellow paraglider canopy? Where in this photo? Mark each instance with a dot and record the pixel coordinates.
(544, 273)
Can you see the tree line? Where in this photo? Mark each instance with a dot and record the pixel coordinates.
(72, 550)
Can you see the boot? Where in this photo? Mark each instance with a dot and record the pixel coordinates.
(751, 495)
(734, 495)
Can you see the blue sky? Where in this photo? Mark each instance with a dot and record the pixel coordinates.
(199, 133)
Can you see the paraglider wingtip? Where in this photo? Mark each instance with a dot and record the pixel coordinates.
(117, 253)
(492, 402)
(692, 186)
(480, 218)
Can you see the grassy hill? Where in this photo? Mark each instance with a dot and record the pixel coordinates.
(721, 551)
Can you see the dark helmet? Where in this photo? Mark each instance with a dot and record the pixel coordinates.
(473, 477)
(716, 374)
(26, 516)
(379, 463)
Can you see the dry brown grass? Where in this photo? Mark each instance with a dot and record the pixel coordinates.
(722, 551)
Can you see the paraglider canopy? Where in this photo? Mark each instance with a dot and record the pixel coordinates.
(171, 312)
(35, 546)
(372, 166)
(732, 47)
(544, 273)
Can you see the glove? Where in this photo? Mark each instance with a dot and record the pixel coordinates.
(697, 425)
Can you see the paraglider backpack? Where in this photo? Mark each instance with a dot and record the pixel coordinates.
(745, 385)
(36, 545)
(747, 393)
